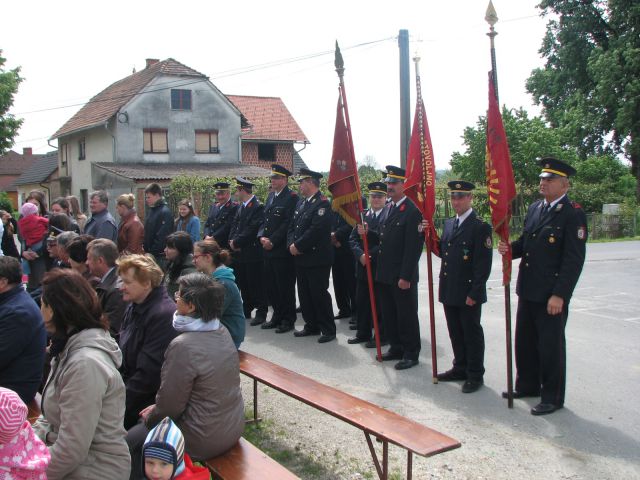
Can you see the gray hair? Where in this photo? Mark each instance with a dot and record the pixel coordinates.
(204, 293)
(105, 248)
(102, 196)
(65, 237)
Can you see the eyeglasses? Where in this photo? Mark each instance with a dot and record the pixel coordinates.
(177, 296)
(198, 255)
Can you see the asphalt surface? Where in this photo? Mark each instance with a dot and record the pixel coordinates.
(596, 435)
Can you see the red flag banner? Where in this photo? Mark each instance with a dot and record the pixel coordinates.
(501, 187)
(420, 184)
(343, 181)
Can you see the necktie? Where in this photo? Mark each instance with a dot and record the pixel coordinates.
(456, 224)
(545, 210)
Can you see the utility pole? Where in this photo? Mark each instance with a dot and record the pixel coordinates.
(405, 106)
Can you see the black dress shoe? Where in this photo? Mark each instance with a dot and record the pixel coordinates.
(284, 328)
(471, 386)
(257, 321)
(517, 394)
(544, 409)
(354, 340)
(269, 325)
(405, 363)
(452, 376)
(341, 315)
(372, 343)
(391, 356)
(305, 333)
(326, 338)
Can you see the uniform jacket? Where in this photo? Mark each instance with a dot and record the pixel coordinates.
(373, 238)
(244, 232)
(310, 230)
(400, 243)
(147, 330)
(82, 410)
(22, 343)
(158, 224)
(102, 225)
(342, 230)
(278, 212)
(466, 261)
(113, 305)
(200, 391)
(552, 251)
(218, 224)
(130, 234)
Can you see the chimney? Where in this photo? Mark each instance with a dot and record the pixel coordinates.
(152, 61)
(26, 151)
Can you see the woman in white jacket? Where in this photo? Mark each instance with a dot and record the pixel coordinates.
(84, 398)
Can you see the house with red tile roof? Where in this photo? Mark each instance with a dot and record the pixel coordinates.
(169, 119)
(12, 165)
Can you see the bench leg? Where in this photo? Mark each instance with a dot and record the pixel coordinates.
(409, 464)
(255, 418)
(383, 471)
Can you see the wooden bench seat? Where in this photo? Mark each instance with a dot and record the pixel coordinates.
(384, 425)
(246, 462)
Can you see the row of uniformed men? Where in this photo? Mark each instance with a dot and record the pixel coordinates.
(291, 235)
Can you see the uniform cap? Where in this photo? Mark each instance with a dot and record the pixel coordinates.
(306, 173)
(552, 167)
(279, 171)
(377, 187)
(395, 174)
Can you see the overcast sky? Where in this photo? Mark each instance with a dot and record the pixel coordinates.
(71, 50)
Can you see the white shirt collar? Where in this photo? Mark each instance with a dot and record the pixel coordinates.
(248, 201)
(464, 216)
(104, 277)
(399, 202)
(555, 202)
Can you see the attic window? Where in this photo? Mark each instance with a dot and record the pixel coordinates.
(267, 152)
(180, 99)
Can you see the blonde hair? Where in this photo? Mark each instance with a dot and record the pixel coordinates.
(145, 269)
(126, 200)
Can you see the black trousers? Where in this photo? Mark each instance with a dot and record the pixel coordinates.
(250, 280)
(541, 351)
(365, 317)
(315, 299)
(344, 283)
(467, 339)
(280, 280)
(400, 313)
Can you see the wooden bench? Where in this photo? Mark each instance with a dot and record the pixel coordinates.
(246, 462)
(386, 426)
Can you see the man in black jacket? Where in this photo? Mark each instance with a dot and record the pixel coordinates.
(466, 250)
(552, 247)
(309, 241)
(343, 269)
(221, 215)
(400, 249)
(158, 223)
(247, 252)
(280, 272)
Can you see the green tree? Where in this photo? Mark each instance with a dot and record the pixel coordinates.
(590, 84)
(602, 179)
(9, 125)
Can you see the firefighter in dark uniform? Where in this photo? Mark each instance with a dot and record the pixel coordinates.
(400, 249)
(280, 273)
(247, 252)
(221, 214)
(377, 197)
(309, 241)
(552, 251)
(466, 250)
(344, 268)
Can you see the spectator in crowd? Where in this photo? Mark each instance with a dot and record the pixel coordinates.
(77, 251)
(39, 200)
(23, 455)
(76, 212)
(187, 220)
(146, 331)
(101, 261)
(32, 227)
(23, 339)
(82, 402)
(131, 229)
(164, 456)
(10, 228)
(61, 205)
(158, 223)
(101, 224)
(211, 260)
(199, 391)
(57, 247)
(178, 253)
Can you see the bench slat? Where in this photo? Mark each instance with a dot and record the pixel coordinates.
(246, 462)
(364, 415)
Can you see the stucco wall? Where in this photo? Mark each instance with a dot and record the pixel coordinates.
(209, 111)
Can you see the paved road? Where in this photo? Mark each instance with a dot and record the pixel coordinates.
(596, 435)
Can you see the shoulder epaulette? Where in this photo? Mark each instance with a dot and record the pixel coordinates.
(576, 205)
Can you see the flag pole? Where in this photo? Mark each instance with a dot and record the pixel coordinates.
(491, 18)
(427, 231)
(339, 64)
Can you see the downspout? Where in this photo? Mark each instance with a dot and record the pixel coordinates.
(304, 145)
(113, 155)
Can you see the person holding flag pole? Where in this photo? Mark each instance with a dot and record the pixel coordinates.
(501, 189)
(420, 187)
(344, 184)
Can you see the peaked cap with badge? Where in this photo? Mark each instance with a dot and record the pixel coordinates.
(394, 174)
(552, 167)
(306, 173)
(279, 171)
